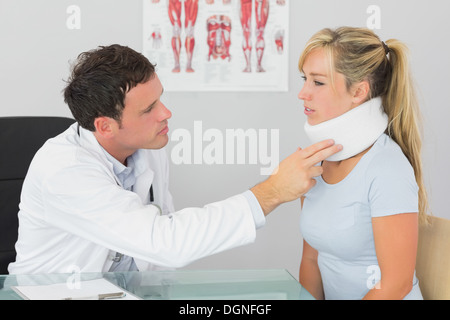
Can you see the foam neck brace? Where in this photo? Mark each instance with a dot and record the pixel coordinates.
(356, 130)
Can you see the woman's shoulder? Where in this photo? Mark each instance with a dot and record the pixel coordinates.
(392, 187)
(386, 156)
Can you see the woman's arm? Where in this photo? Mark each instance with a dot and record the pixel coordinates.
(310, 277)
(396, 240)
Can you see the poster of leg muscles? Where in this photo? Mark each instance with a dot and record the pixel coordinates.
(218, 45)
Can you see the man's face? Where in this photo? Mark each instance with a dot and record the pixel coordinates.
(144, 122)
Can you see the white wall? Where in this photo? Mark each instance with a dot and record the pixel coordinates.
(36, 47)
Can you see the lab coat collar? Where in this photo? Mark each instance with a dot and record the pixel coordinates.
(144, 174)
(88, 142)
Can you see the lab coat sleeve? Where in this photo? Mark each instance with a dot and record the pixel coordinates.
(92, 206)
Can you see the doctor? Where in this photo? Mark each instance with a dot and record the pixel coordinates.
(96, 197)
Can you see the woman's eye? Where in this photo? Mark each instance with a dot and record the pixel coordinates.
(317, 83)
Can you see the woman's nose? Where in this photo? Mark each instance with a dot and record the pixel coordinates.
(304, 94)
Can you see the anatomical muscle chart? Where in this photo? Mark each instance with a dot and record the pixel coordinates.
(218, 45)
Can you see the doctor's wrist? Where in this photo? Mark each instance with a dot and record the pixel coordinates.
(267, 195)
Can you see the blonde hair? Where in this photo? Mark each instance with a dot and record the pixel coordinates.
(360, 55)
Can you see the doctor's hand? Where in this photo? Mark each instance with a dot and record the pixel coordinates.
(294, 176)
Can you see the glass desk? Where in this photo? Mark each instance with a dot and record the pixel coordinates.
(179, 285)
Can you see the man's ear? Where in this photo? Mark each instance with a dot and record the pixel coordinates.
(104, 127)
(361, 92)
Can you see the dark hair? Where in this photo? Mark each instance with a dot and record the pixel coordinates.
(100, 79)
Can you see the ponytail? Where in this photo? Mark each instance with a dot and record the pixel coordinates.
(401, 106)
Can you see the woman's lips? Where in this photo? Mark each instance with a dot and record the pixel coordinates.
(308, 111)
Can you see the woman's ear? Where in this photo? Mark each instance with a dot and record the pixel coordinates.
(360, 92)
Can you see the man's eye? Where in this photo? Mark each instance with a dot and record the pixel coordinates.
(150, 108)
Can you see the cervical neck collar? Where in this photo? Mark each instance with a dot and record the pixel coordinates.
(356, 130)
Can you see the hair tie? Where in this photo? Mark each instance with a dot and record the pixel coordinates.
(386, 48)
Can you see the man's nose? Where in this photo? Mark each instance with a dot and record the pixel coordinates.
(165, 113)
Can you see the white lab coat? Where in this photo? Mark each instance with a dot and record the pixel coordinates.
(74, 215)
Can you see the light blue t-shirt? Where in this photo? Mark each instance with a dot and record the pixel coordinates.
(336, 219)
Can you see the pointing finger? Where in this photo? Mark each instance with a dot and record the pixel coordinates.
(324, 153)
(314, 148)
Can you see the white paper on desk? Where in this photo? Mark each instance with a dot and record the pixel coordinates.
(90, 288)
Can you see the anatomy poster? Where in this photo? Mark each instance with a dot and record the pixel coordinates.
(218, 45)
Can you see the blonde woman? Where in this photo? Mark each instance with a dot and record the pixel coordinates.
(360, 221)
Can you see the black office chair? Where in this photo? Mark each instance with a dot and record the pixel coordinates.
(20, 138)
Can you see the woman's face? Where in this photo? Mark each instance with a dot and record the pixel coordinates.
(322, 100)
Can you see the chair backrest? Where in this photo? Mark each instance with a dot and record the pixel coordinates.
(20, 138)
(433, 259)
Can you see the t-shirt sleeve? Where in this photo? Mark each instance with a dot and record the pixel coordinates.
(393, 188)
